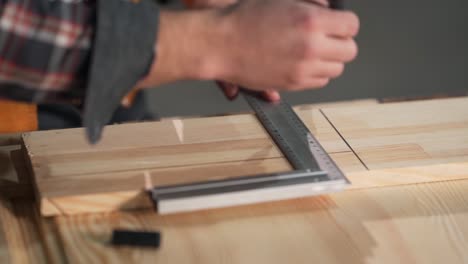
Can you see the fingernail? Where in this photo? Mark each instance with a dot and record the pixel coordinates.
(272, 96)
(275, 97)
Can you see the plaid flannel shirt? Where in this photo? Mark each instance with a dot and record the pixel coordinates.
(94, 51)
(44, 48)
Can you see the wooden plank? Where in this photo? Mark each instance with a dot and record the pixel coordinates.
(170, 133)
(4, 255)
(50, 239)
(406, 134)
(187, 151)
(128, 194)
(111, 176)
(200, 143)
(408, 175)
(425, 223)
(24, 242)
(203, 149)
(26, 237)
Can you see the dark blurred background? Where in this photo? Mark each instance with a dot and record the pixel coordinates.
(407, 49)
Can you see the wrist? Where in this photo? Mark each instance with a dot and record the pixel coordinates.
(190, 46)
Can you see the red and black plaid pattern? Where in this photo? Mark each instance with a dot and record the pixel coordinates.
(45, 44)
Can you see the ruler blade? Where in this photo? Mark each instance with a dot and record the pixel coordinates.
(286, 129)
(314, 171)
(292, 136)
(243, 190)
(243, 183)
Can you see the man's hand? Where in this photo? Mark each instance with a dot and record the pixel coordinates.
(231, 90)
(265, 45)
(287, 45)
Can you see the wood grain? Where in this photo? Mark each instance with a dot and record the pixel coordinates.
(408, 175)
(425, 223)
(128, 193)
(4, 255)
(24, 241)
(183, 151)
(50, 239)
(400, 143)
(164, 133)
(416, 133)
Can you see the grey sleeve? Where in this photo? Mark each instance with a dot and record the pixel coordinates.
(126, 32)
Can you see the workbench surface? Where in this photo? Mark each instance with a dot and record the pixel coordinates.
(419, 218)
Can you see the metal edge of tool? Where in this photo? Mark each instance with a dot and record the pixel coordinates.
(252, 196)
(286, 129)
(309, 172)
(237, 184)
(292, 136)
(320, 176)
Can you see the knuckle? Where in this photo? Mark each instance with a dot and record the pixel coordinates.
(308, 21)
(310, 49)
(296, 78)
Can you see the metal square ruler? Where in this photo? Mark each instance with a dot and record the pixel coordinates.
(314, 171)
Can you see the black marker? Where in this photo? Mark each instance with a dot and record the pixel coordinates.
(132, 238)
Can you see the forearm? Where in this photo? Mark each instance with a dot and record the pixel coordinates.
(189, 47)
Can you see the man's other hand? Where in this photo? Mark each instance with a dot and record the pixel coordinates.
(287, 45)
(265, 45)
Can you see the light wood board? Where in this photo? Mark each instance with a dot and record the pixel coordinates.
(72, 176)
(24, 243)
(408, 134)
(25, 236)
(4, 254)
(395, 144)
(424, 223)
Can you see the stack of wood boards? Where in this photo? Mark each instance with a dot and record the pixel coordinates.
(375, 145)
(417, 223)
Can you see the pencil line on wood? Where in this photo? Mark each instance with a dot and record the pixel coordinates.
(344, 140)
